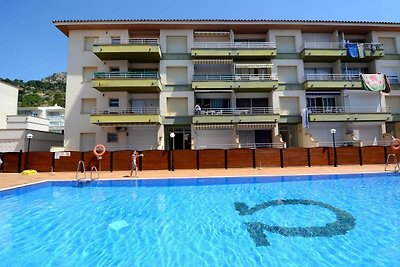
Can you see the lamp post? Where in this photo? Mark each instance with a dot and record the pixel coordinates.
(172, 135)
(333, 131)
(29, 136)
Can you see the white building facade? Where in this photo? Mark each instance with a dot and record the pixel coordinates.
(131, 83)
(9, 102)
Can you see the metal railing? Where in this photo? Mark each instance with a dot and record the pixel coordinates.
(333, 77)
(127, 41)
(349, 109)
(393, 79)
(339, 45)
(239, 77)
(237, 111)
(114, 148)
(234, 45)
(240, 145)
(361, 143)
(132, 111)
(126, 75)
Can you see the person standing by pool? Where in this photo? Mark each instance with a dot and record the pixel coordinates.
(134, 166)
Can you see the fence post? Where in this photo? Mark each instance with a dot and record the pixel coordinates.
(169, 160)
(360, 155)
(53, 162)
(140, 161)
(308, 157)
(197, 159)
(19, 167)
(385, 152)
(281, 156)
(254, 158)
(111, 161)
(226, 158)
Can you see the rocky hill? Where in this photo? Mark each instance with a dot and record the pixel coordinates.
(45, 92)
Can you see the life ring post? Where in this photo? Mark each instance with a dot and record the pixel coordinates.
(99, 150)
(395, 144)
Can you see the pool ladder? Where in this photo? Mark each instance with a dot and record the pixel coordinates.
(395, 162)
(81, 163)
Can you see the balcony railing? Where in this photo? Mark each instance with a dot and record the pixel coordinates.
(240, 77)
(338, 45)
(127, 41)
(393, 79)
(348, 109)
(333, 77)
(241, 145)
(234, 45)
(237, 111)
(123, 111)
(126, 75)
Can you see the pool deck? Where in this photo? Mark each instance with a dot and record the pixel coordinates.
(8, 180)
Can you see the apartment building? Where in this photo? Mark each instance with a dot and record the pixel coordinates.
(55, 114)
(230, 83)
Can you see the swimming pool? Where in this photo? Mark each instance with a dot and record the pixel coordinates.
(326, 220)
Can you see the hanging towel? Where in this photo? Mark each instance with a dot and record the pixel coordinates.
(388, 89)
(304, 114)
(361, 51)
(352, 50)
(373, 82)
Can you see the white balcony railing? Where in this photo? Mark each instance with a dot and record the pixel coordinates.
(239, 77)
(241, 145)
(129, 111)
(338, 45)
(237, 111)
(234, 45)
(127, 41)
(348, 109)
(126, 75)
(333, 77)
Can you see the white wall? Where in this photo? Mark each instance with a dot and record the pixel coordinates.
(9, 102)
(15, 140)
(214, 138)
(321, 132)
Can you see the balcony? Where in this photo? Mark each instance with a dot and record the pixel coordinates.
(132, 82)
(132, 49)
(332, 51)
(239, 83)
(240, 50)
(236, 115)
(126, 116)
(348, 113)
(332, 81)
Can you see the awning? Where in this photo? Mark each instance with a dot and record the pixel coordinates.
(211, 33)
(319, 93)
(212, 61)
(253, 66)
(256, 125)
(213, 126)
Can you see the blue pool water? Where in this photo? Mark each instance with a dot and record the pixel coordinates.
(205, 222)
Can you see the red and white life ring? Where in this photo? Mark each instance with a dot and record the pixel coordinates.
(99, 150)
(395, 144)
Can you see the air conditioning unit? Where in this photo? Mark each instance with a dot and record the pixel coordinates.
(121, 129)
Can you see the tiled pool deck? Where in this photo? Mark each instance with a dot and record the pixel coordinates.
(8, 180)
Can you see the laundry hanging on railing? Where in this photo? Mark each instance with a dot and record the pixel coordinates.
(304, 116)
(352, 50)
(388, 88)
(361, 50)
(373, 82)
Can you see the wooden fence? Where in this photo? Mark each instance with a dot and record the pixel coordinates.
(16, 162)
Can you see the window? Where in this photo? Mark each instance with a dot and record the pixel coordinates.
(113, 102)
(114, 69)
(287, 74)
(285, 44)
(257, 105)
(87, 105)
(89, 41)
(322, 102)
(389, 44)
(112, 137)
(87, 73)
(177, 75)
(213, 103)
(87, 141)
(115, 40)
(176, 44)
(177, 106)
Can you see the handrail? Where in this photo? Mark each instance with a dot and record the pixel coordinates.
(333, 77)
(234, 45)
(126, 75)
(339, 45)
(127, 41)
(349, 109)
(80, 163)
(237, 111)
(241, 145)
(239, 77)
(130, 111)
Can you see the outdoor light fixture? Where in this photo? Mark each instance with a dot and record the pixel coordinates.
(29, 136)
(172, 135)
(333, 131)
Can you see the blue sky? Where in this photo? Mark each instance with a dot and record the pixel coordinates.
(32, 48)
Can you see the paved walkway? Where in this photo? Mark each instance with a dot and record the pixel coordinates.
(16, 179)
